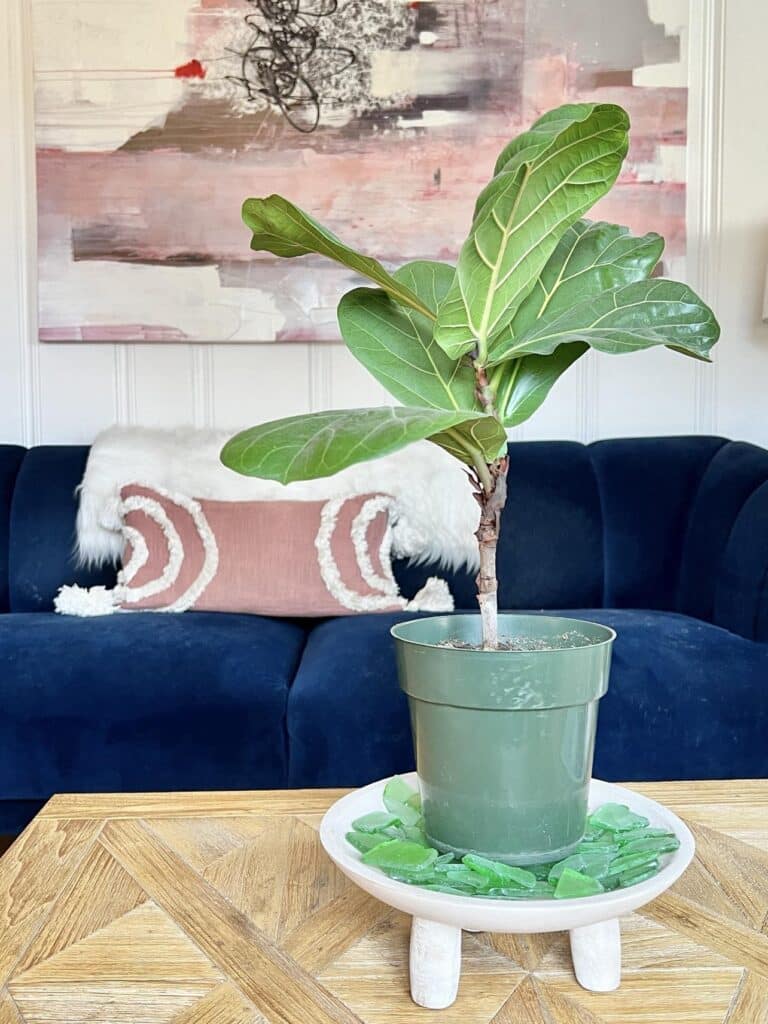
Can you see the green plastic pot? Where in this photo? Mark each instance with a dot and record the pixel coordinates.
(504, 739)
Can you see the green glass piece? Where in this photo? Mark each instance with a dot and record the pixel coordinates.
(398, 789)
(414, 834)
(600, 846)
(540, 871)
(414, 801)
(572, 885)
(594, 865)
(463, 875)
(643, 833)
(365, 841)
(616, 818)
(628, 878)
(593, 833)
(452, 890)
(658, 845)
(445, 858)
(540, 891)
(401, 800)
(376, 821)
(500, 874)
(399, 853)
(630, 862)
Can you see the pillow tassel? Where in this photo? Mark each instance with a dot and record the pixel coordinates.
(85, 601)
(434, 596)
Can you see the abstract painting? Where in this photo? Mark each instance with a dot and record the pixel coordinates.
(382, 118)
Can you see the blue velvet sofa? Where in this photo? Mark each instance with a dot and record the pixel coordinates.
(665, 539)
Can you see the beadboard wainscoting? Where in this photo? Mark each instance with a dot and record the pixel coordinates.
(56, 393)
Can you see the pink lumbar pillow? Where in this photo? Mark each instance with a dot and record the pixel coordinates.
(287, 558)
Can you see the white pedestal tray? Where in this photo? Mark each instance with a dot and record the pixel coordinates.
(438, 918)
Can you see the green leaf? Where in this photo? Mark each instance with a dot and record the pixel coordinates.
(522, 214)
(590, 258)
(320, 444)
(395, 343)
(524, 383)
(530, 144)
(486, 435)
(281, 228)
(636, 316)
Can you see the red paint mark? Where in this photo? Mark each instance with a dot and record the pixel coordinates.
(194, 69)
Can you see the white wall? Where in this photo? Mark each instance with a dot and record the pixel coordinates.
(66, 393)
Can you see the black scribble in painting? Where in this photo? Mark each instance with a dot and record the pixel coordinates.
(286, 53)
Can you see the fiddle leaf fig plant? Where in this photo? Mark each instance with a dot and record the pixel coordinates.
(474, 349)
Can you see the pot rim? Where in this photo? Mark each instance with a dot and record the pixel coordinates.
(478, 651)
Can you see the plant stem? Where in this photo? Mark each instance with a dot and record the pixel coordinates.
(491, 503)
(491, 495)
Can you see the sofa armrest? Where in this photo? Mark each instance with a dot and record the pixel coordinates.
(741, 593)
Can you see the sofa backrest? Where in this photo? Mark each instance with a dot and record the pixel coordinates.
(11, 457)
(672, 523)
(41, 543)
(724, 563)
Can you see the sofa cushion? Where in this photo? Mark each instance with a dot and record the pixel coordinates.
(11, 457)
(551, 543)
(647, 486)
(143, 701)
(686, 700)
(42, 548)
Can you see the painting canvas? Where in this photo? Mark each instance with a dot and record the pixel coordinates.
(382, 118)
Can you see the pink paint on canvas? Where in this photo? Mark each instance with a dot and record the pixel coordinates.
(149, 139)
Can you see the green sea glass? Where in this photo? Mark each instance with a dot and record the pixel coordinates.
(616, 818)
(594, 865)
(619, 849)
(572, 885)
(500, 875)
(644, 833)
(628, 878)
(399, 853)
(402, 801)
(654, 844)
(365, 841)
(376, 821)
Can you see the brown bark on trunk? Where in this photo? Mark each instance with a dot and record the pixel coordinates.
(491, 506)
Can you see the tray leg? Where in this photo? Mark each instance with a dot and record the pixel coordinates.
(596, 953)
(435, 963)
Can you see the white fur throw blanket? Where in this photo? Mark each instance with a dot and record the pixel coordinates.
(435, 514)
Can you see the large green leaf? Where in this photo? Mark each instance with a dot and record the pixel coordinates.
(281, 228)
(635, 316)
(522, 214)
(590, 258)
(320, 444)
(396, 345)
(487, 436)
(524, 383)
(542, 133)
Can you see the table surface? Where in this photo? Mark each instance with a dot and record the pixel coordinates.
(222, 908)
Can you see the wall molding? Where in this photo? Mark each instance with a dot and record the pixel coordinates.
(320, 373)
(706, 111)
(203, 385)
(124, 379)
(24, 218)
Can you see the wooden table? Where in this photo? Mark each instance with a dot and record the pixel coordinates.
(221, 908)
